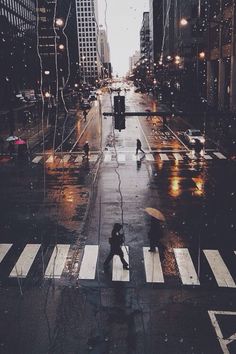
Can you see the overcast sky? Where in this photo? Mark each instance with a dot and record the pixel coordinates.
(124, 18)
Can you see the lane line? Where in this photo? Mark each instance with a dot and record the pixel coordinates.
(186, 268)
(118, 273)
(4, 248)
(37, 159)
(164, 157)
(89, 262)
(57, 261)
(25, 261)
(220, 155)
(177, 156)
(219, 269)
(152, 264)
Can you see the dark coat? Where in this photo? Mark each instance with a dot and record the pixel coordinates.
(139, 145)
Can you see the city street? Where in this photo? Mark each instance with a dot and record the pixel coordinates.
(57, 213)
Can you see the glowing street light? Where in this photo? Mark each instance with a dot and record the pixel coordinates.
(47, 72)
(61, 46)
(183, 22)
(47, 94)
(202, 55)
(59, 22)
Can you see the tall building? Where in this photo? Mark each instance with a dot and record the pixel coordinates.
(18, 58)
(88, 31)
(156, 27)
(145, 36)
(104, 54)
(221, 54)
(133, 60)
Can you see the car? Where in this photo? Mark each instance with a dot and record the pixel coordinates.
(85, 105)
(191, 135)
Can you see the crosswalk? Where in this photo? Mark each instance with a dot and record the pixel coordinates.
(124, 157)
(152, 264)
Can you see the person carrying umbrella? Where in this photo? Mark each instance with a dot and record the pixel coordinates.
(155, 231)
(116, 240)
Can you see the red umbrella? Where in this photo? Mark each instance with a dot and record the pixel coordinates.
(19, 142)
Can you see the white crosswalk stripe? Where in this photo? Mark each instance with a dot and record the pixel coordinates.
(89, 262)
(57, 261)
(177, 156)
(152, 264)
(4, 248)
(164, 157)
(219, 269)
(37, 159)
(126, 157)
(25, 261)
(118, 273)
(219, 155)
(186, 268)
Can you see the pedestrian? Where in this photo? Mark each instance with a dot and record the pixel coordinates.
(154, 234)
(198, 147)
(86, 150)
(139, 147)
(11, 148)
(1, 145)
(85, 113)
(116, 240)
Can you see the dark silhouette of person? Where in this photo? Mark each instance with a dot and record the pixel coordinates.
(86, 150)
(1, 145)
(85, 113)
(154, 234)
(198, 146)
(11, 148)
(116, 240)
(139, 147)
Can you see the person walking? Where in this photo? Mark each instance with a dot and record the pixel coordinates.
(85, 113)
(139, 147)
(198, 147)
(86, 150)
(116, 240)
(154, 234)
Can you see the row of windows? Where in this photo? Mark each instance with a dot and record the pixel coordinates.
(22, 24)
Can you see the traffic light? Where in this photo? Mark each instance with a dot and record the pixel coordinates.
(119, 112)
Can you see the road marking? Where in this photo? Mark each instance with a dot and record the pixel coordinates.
(220, 155)
(121, 158)
(65, 159)
(118, 273)
(89, 262)
(164, 157)
(37, 159)
(152, 264)
(149, 157)
(224, 342)
(4, 248)
(186, 268)
(191, 155)
(25, 261)
(207, 157)
(177, 156)
(79, 158)
(219, 269)
(57, 261)
(50, 159)
(107, 157)
(135, 157)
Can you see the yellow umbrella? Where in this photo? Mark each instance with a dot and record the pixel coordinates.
(155, 213)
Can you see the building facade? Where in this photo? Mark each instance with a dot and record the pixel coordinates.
(18, 58)
(145, 36)
(133, 60)
(88, 32)
(104, 54)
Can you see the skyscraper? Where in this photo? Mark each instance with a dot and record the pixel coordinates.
(104, 50)
(18, 58)
(88, 31)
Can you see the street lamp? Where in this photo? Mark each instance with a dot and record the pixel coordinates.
(183, 22)
(59, 22)
(61, 46)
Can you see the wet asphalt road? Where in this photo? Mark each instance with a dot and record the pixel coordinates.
(77, 203)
